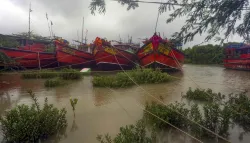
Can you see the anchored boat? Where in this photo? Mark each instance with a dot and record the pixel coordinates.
(108, 57)
(237, 56)
(30, 54)
(159, 53)
(68, 56)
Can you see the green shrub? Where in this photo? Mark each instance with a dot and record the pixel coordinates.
(129, 134)
(54, 82)
(122, 79)
(239, 105)
(70, 74)
(195, 115)
(168, 114)
(203, 95)
(39, 74)
(32, 123)
(211, 117)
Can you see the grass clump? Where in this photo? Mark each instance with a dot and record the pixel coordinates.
(54, 82)
(121, 80)
(33, 123)
(203, 95)
(39, 74)
(70, 74)
(129, 134)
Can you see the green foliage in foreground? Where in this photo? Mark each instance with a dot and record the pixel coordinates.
(54, 82)
(211, 116)
(121, 79)
(129, 134)
(33, 123)
(240, 104)
(203, 95)
(214, 116)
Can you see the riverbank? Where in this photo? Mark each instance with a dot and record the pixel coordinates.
(101, 110)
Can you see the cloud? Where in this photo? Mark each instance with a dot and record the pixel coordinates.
(67, 19)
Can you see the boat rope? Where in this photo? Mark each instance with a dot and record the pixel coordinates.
(55, 61)
(143, 109)
(206, 92)
(188, 79)
(121, 104)
(168, 107)
(158, 15)
(119, 71)
(70, 64)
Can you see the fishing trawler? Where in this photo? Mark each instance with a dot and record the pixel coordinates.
(69, 56)
(109, 57)
(30, 53)
(159, 53)
(237, 56)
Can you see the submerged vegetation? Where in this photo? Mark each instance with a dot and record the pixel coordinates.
(70, 74)
(39, 74)
(54, 82)
(122, 79)
(195, 120)
(211, 116)
(129, 134)
(203, 95)
(66, 74)
(33, 123)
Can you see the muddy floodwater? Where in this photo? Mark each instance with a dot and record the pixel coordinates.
(101, 110)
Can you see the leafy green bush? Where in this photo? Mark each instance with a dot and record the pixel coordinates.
(70, 74)
(32, 123)
(239, 105)
(216, 118)
(54, 82)
(212, 116)
(168, 114)
(203, 95)
(129, 134)
(121, 79)
(39, 74)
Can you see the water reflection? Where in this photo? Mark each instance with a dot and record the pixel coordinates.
(101, 96)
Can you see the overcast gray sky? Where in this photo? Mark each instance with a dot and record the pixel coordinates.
(66, 16)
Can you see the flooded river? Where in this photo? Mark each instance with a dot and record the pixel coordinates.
(101, 110)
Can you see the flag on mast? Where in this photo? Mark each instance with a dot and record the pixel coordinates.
(47, 15)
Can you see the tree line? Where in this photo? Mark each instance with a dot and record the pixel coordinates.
(204, 54)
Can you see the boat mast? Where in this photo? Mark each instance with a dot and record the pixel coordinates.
(29, 19)
(86, 36)
(82, 29)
